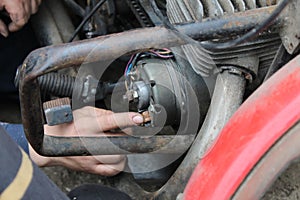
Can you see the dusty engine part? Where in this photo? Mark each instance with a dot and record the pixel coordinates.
(101, 20)
(140, 13)
(204, 61)
(162, 87)
(291, 31)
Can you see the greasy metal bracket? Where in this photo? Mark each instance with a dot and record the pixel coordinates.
(106, 48)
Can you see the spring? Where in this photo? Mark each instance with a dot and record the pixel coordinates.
(57, 84)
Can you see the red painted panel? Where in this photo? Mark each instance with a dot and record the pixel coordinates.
(253, 129)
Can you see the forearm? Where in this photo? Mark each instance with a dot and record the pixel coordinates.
(39, 160)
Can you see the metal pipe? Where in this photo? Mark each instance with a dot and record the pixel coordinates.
(115, 145)
(227, 97)
(114, 45)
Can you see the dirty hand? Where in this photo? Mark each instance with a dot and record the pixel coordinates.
(19, 12)
(90, 121)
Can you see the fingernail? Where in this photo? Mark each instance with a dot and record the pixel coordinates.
(138, 119)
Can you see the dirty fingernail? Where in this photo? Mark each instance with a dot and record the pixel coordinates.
(138, 119)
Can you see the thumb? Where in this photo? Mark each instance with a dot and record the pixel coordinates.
(3, 29)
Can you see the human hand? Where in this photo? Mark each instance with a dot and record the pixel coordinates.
(19, 12)
(90, 121)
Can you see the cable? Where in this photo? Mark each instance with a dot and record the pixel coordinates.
(128, 64)
(160, 55)
(165, 54)
(251, 34)
(88, 17)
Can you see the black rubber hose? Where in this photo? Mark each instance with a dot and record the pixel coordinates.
(57, 84)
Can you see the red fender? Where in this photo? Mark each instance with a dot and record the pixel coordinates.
(254, 128)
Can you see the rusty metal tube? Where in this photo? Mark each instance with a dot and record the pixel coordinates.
(164, 144)
(227, 97)
(112, 46)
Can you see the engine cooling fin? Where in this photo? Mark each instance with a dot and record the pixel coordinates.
(204, 61)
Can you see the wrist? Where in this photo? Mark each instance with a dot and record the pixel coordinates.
(39, 160)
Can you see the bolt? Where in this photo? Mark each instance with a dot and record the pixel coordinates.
(135, 95)
(93, 91)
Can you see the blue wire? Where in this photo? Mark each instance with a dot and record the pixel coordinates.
(129, 69)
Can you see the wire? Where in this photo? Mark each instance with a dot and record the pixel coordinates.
(128, 64)
(163, 51)
(160, 53)
(87, 18)
(129, 69)
(251, 34)
(131, 63)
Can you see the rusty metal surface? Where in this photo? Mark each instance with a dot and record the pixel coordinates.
(228, 25)
(110, 47)
(115, 145)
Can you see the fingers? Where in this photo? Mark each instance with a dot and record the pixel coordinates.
(3, 29)
(19, 12)
(107, 165)
(34, 6)
(110, 159)
(109, 170)
(91, 164)
(18, 21)
(93, 120)
(118, 120)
